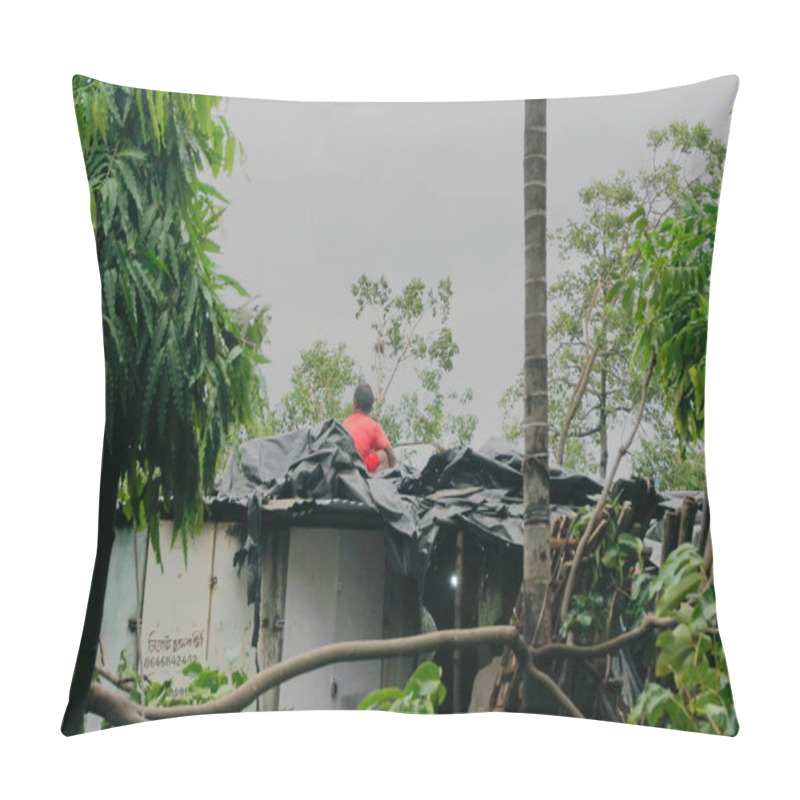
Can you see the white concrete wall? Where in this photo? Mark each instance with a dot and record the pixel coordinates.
(335, 591)
(196, 610)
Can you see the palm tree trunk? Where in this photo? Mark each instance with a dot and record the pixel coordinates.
(87, 651)
(536, 473)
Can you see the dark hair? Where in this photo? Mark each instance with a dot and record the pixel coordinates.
(363, 398)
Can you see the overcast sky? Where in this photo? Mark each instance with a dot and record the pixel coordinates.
(330, 191)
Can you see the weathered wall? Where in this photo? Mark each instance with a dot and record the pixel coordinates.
(120, 606)
(196, 610)
(335, 592)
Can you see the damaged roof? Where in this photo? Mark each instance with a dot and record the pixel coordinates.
(316, 471)
(315, 474)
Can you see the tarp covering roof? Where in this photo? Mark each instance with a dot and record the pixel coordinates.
(479, 490)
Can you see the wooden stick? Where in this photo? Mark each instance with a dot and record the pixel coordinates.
(626, 517)
(688, 513)
(598, 531)
(669, 541)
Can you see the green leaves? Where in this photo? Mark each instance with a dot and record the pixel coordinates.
(640, 256)
(322, 388)
(683, 562)
(672, 315)
(677, 592)
(423, 693)
(695, 690)
(207, 684)
(611, 597)
(410, 328)
(180, 366)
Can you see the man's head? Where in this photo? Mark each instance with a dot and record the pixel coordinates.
(363, 398)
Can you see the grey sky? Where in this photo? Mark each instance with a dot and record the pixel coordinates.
(331, 191)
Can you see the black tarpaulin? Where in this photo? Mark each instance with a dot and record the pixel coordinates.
(479, 490)
(320, 463)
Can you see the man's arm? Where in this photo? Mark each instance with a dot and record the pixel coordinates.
(390, 456)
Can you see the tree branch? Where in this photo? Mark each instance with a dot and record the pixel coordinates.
(401, 357)
(590, 432)
(119, 710)
(558, 650)
(574, 404)
(570, 585)
(111, 678)
(112, 706)
(554, 688)
(125, 711)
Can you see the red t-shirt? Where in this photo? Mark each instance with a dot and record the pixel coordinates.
(368, 437)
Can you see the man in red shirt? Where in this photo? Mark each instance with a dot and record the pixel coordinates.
(368, 436)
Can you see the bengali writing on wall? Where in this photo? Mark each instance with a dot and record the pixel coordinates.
(173, 651)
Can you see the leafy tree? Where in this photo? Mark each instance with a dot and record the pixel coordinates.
(397, 320)
(410, 330)
(411, 334)
(661, 460)
(322, 388)
(181, 368)
(668, 300)
(593, 328)
(662, 288)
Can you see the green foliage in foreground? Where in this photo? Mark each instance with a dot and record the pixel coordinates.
(612, 596)
(668, 301)
(423, 693)
(181, 367)
(207, 684)
(695, 692)
(691, 690)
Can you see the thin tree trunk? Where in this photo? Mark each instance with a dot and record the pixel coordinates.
(603, 422)
(536, 473)
(87, 651)
(574, 405)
